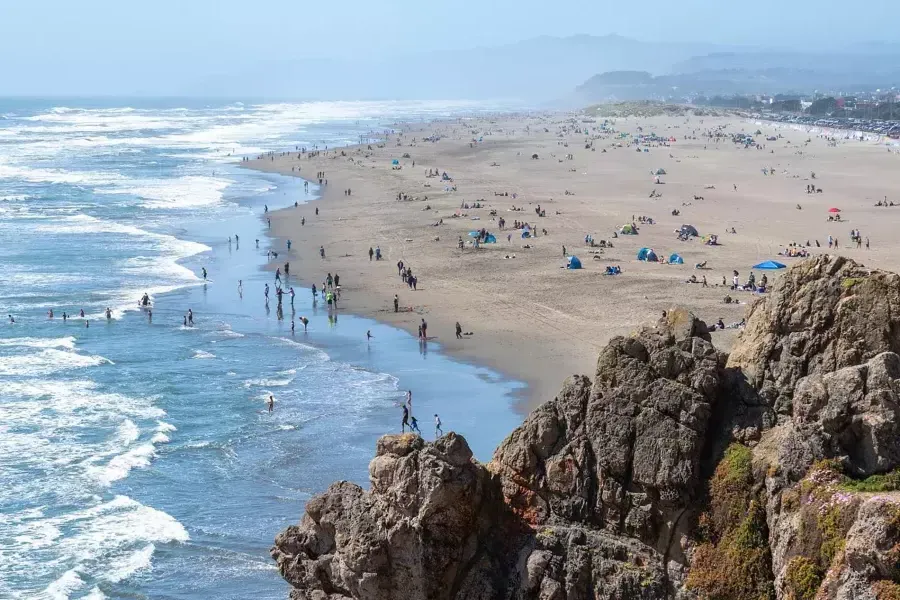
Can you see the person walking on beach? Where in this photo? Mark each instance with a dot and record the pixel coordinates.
(396, 303)
(314, 292)
(458, 331)
(292, 297)
(424, 330)
(337, 280)
(302, 220)
(371, 253)
(289, 245)
(414, 425)
(438, 432)
(287, 269)
(405, 422)
(317, 211)
(400, 268)
(271, 403)
(322, 251)
(278, 275)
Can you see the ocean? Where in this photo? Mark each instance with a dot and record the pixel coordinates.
(137, 457)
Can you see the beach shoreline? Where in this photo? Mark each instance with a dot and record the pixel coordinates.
(532, 319)
(358, 296)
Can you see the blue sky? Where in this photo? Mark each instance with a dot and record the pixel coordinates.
(108, 45)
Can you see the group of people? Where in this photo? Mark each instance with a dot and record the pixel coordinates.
(409, 420)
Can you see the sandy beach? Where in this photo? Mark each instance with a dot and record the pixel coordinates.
(531, 318)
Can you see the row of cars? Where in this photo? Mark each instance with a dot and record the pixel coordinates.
(881, 127)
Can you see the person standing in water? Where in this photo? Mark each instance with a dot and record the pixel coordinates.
(190, 317)
(108, 313)
(241, 288)
(368, 335)
(204, 272)
(292, 296)
(150, 316)
(271, 403)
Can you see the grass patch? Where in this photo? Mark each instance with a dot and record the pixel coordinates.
(802, 579)
(849, 282)
(887, 482)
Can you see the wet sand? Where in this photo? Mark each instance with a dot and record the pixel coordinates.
(530, 318)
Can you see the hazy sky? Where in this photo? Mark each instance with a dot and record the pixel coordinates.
(50, 44)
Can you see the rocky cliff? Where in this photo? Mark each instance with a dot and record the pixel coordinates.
(674, 471)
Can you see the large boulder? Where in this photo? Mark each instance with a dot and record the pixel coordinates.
(826, 313)
(621, 452)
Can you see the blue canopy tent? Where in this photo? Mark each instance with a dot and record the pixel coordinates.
(769, 265)
(474, 233)
(526, 234)
(646, 254)
(574, 263)
(395, 162)
(676, 259)
(490, 239)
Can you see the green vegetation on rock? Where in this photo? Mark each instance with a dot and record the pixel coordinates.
(734, 564)
(802, 579)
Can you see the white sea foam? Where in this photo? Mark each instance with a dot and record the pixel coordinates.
(201, 354)
(189, 191)
(108, 542)
(36, 175)
(64, 342)
(49, 360)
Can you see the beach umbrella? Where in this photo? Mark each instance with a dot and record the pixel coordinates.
(769, 265)
(395, 162)
(834, 210)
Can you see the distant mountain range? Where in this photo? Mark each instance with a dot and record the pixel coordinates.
(866, 68)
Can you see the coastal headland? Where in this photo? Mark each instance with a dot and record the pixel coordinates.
(530, 317)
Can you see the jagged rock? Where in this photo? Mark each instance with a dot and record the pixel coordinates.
(433, 526)
(598, 494)
(852, 415)
(620, 453)
(826, 313)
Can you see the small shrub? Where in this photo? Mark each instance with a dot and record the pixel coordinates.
(886, 590)
(849, 282)
(802, 579)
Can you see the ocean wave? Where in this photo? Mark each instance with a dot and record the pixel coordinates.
(29, 342)
(49, 360)
(202, 354)
(189, 191)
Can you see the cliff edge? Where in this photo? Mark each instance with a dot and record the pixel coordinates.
(674, 471)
